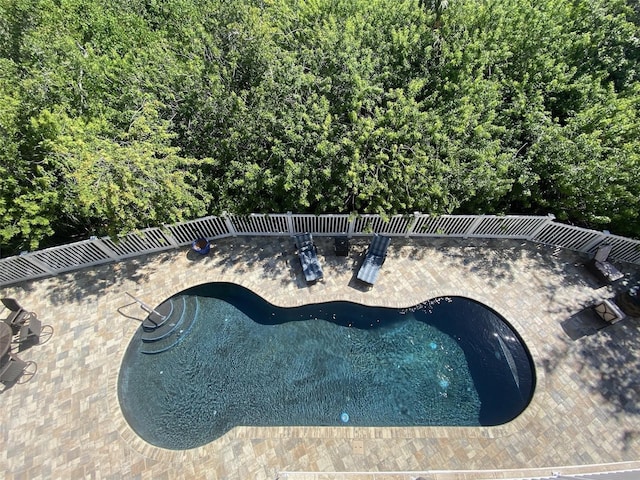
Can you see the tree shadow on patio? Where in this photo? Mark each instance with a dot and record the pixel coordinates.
(615, 354)
(607, 364)
(91, 282)
(241, 255)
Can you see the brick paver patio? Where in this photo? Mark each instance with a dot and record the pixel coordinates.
(585, 415)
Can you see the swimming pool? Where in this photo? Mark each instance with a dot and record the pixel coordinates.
(238, 360)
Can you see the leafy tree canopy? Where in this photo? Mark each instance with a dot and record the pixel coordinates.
(117, 115)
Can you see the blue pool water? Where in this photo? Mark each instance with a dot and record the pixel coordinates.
(243, 361)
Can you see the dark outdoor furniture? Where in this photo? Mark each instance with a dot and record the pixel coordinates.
(17, 316)
(5, 339)
(308, 254)
(629, 301)
(25, 326)
(375, 257)
(602, 269)
(11, 368)
(341, 246)
(30, 330)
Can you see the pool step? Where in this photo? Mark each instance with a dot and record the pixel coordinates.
(174, 329)
(168, 325)
(160, 316)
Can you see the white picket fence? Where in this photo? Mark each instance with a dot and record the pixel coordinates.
(96, 251)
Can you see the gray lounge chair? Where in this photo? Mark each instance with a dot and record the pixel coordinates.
(25, 325)
(11, 369)
(375, 257)
(308, 254)
(30, 330)
(17, 316)
(602, 269)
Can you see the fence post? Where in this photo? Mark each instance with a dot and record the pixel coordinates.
(411, 228)
(105, 249)
(229, 224)
(351, 227)
(473, 226)
(596, 241)
(166, 233)
(550, 218)
(37, 263)
(289, 218)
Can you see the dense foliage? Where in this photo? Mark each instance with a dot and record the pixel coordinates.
(117, 114)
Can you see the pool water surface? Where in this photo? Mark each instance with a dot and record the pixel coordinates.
(242, 361)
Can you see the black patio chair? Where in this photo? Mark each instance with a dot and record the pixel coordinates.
(308, 254)
(16, 370)
(25, 325)
(341, 246)
(17, 316)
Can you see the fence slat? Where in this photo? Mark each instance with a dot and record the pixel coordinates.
(17, 269)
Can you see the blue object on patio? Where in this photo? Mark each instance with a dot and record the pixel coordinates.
(201, 246)
(375, 257)
(308, 254)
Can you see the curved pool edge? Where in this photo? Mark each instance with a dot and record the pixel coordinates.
(138, 444)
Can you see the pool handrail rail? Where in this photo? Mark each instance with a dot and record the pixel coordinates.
(147, 308)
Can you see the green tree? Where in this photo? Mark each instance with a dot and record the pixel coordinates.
(117, 115)
(113, 184)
